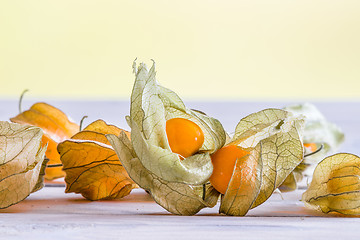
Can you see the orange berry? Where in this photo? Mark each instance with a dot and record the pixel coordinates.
(223, 161)
(185, 137)
(54, 158)
(311, 146)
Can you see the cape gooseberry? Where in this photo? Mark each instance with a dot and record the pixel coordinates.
(311, 146)
(223, 161)
(185, 137)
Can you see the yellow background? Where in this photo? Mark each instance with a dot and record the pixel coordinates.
(203, 49)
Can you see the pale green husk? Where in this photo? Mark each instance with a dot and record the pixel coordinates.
(151, 106)
(335, 186)
(177, 198)
(326, 135)
(272, 138)
(317, 130)
(180, 186)
(22, 163)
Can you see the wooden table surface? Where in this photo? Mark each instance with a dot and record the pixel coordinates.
(52, 214)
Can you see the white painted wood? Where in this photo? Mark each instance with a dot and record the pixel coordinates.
(52, 214)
